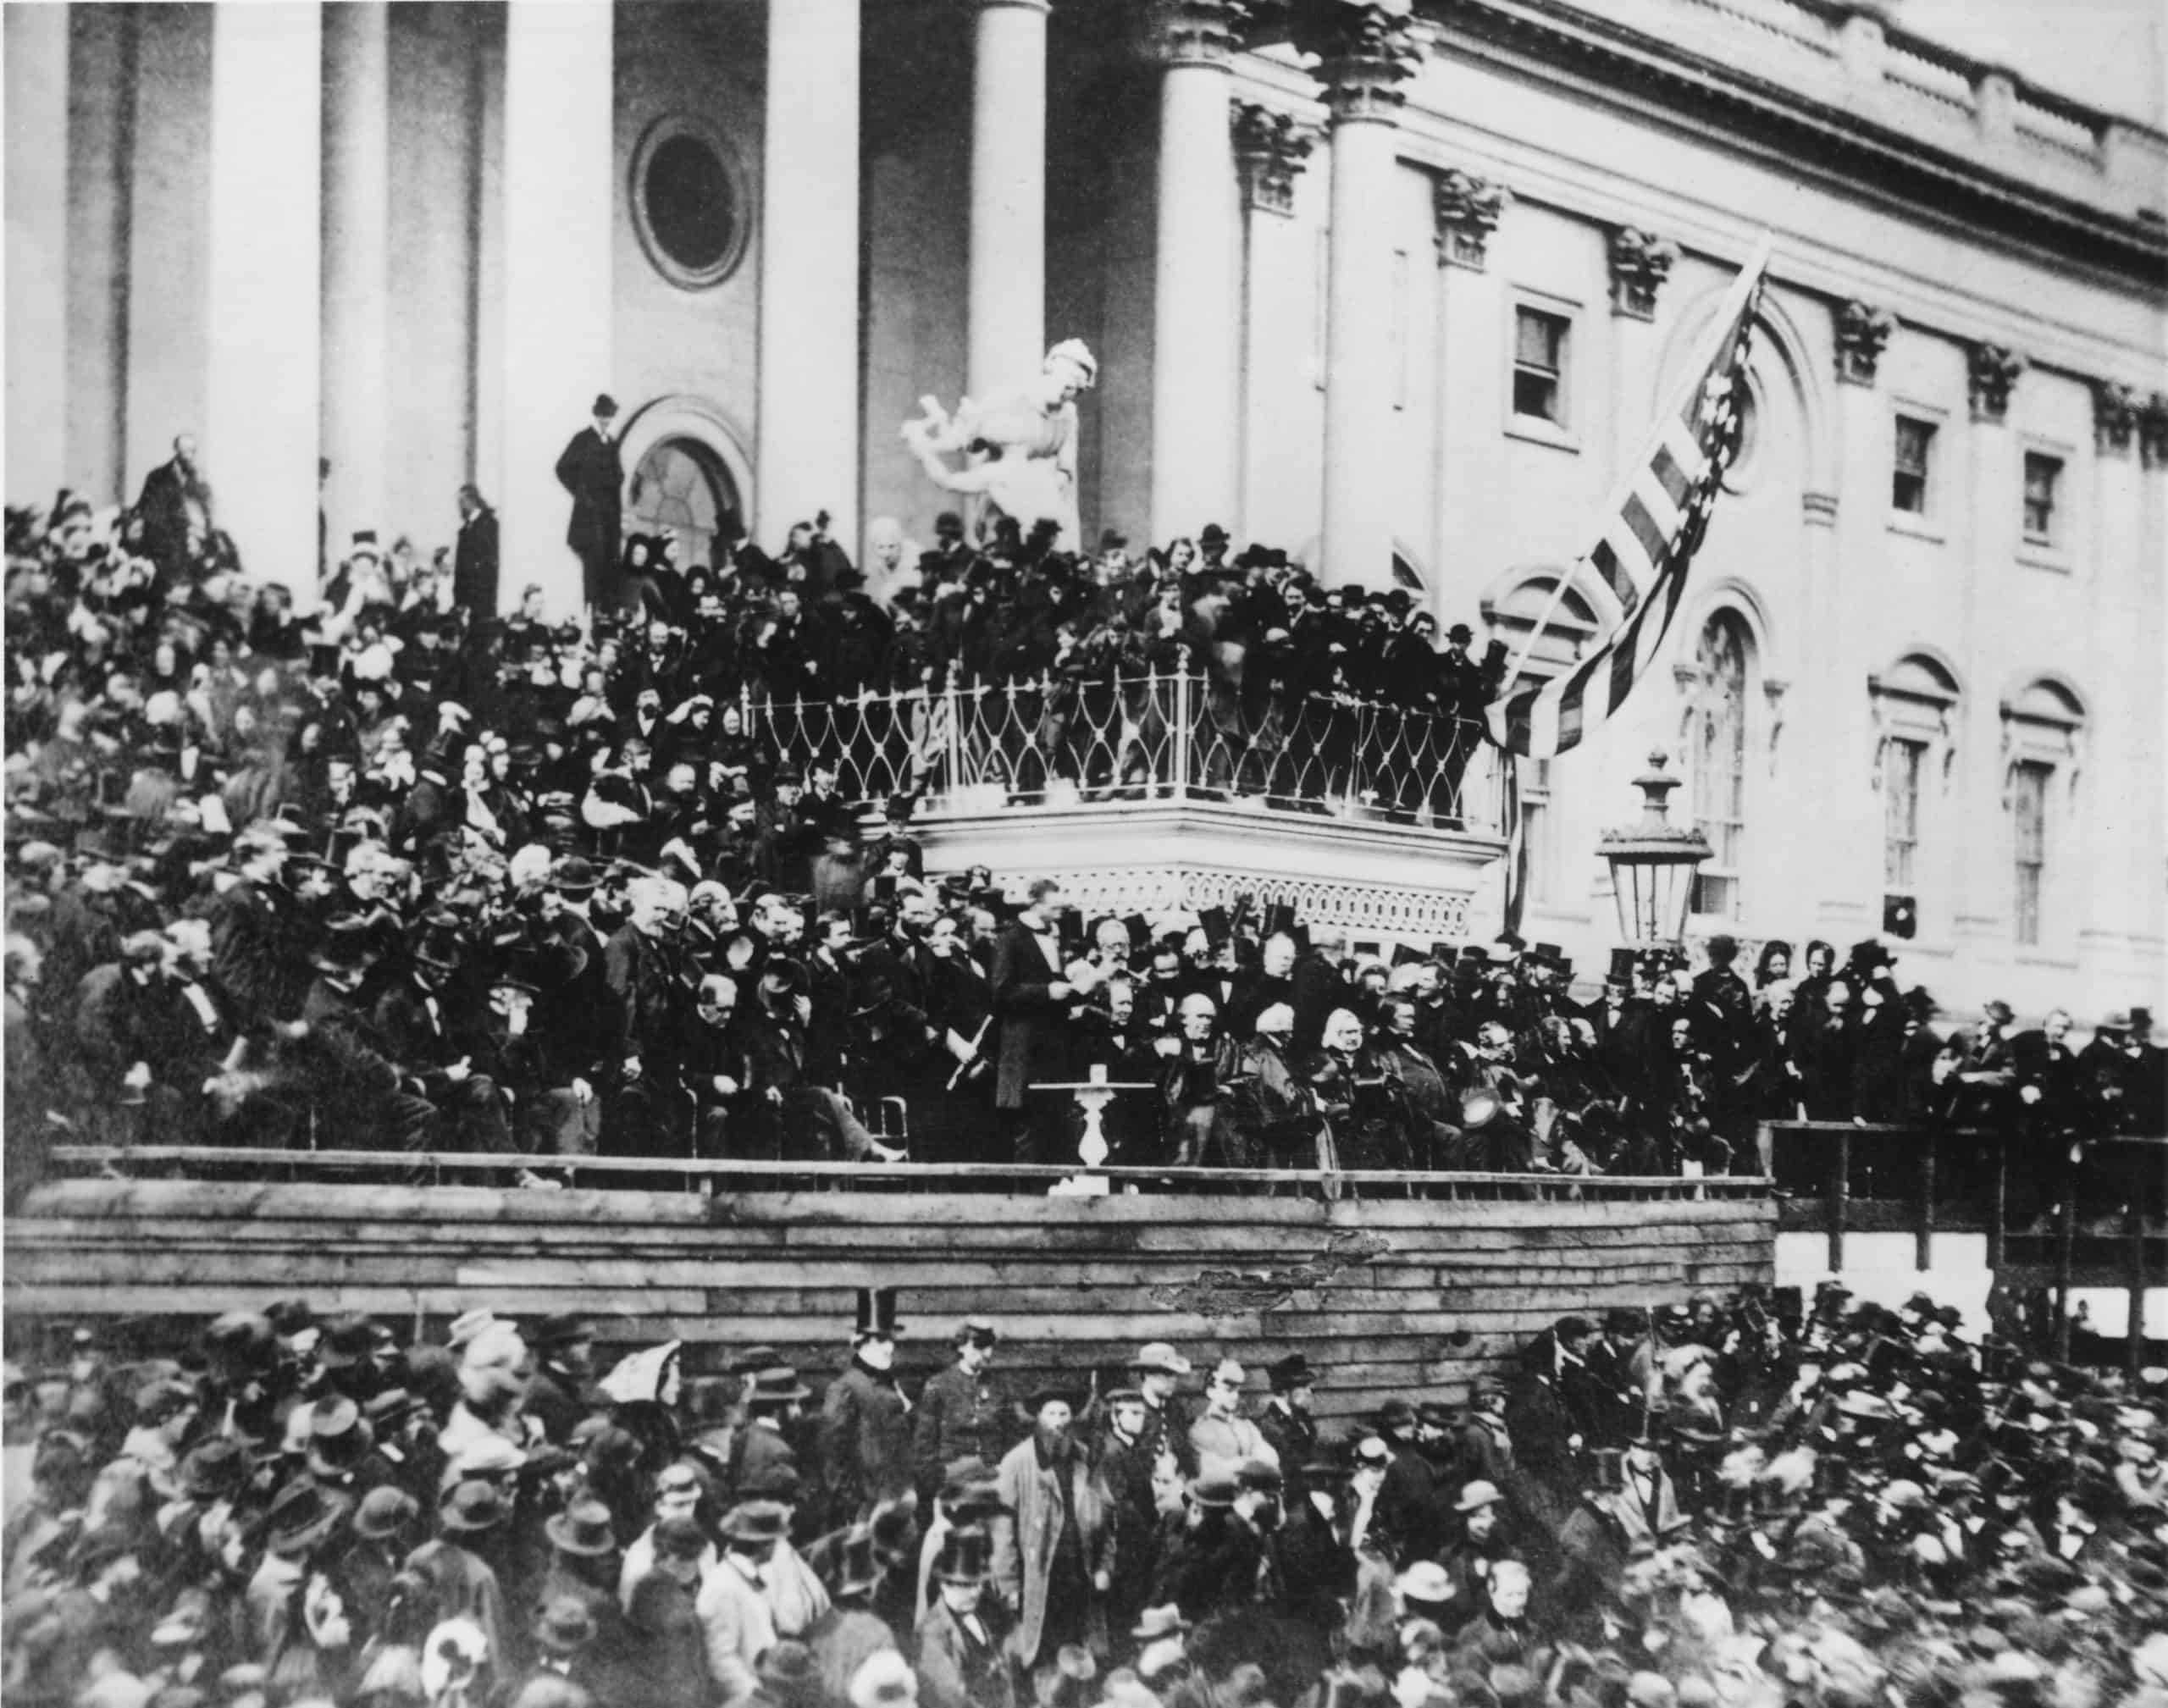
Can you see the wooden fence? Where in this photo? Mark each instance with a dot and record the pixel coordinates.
(1391, 1294)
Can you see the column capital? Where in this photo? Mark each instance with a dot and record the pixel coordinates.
(1270, 147)
(2114, 418)
(1991, 370)
(1199, 32)
(1862, 331)
(1640, 262)
(1366, 50)
(1466, 210)
(2153, 430)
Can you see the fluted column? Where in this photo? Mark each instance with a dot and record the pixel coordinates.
(37, 250)
(556, 337)
(1008, 286)
(356, 264)
(1197, 321)
(809, 423)
(1368, 50)
(261, 272)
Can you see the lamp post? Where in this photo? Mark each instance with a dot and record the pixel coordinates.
(1652, 866)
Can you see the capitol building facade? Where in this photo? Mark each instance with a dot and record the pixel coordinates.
(1399, 288)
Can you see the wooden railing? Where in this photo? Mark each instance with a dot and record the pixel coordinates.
(1839, 1177)
(706, 1177)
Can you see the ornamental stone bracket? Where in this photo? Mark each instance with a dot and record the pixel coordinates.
(2114, 418)
(1466, 210)
(1366, 50)
(1374, 880)
(2152, 431)
(1991, 372)
(1270, 147)
(1862, 331)
(1640, 262)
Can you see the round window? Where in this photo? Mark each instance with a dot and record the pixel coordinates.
(689, 203)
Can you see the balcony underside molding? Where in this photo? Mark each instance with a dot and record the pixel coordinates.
(1371, 878)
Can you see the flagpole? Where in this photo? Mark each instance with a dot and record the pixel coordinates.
(1756, 260)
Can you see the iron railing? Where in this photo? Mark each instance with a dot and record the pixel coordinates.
(1057, 741)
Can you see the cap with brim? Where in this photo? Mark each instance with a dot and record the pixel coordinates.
(1213, 1488)
(582, 1528)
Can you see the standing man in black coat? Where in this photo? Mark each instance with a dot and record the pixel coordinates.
(591, 471)
(175, 508)
(474, 560)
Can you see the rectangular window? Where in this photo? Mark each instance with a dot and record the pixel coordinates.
(1540, 348)
(1901, 763)
(1539, 827)
(1401, 328)
(2044, 479)
(2029, 809)
(1914, 468)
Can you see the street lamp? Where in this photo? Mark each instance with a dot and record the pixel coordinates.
(1652, 865)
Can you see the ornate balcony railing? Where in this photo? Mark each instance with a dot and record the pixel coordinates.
(1061, 743)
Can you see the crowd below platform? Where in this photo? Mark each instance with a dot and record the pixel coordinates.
(397, 875)
(1751, 1503)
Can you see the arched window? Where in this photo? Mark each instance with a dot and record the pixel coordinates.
(2042, 727)
(1717, 734)
(681, 485)
(1915, 704)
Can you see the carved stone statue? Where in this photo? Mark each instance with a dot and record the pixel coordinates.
(1021, 444)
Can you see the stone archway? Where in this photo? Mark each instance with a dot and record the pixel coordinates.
(686, 466)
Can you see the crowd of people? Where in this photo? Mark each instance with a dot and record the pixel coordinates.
(397, 875)
(1753, 1503)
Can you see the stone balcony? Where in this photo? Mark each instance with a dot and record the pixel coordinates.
(1161, 794)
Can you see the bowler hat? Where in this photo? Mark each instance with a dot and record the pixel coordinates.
(777, 1385)
(471, 1507)
(302, 1516)
(213, 1469)
(339, 1436)
(755, 1523)
(565, 1627)
(1292, 1372)
(777, 1482)
(561, 1329)
(605, 406)
(1155, 1622)
(1213, 1489)
(384, 1512)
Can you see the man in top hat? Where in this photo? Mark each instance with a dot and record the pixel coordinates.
(962, 1662)
(1285, 1423)
(733, 1612)
(1223, 1437)
(591, 471)
(1610, 1524)
(958, 1410)
(865, 1435)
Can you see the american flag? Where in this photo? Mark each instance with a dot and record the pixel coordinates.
(1647, 535)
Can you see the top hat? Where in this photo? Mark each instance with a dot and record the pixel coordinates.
(966, 1557)
(583, 1528)
(1291, 1373)
(877, 1314)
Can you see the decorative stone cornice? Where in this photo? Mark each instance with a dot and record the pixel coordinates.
(1640, 262)
(1466, 210)
(1199, 32)
(1269, 149)
(1818, 509)
(1862, 331)
(2114, 418)
(1991, 370)
(2152, 431)
(1366, 50)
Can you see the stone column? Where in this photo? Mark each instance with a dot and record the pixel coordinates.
(1465, 210)
(357, 267)
(37, 250)
(559, 182)
(1367, 50)
(1270, 147)
(1008, 288)
(1197, 323)
(262, 274)
(809, 423)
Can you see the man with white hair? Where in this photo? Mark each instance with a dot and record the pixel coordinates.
(641, 1114)
(891, 561)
